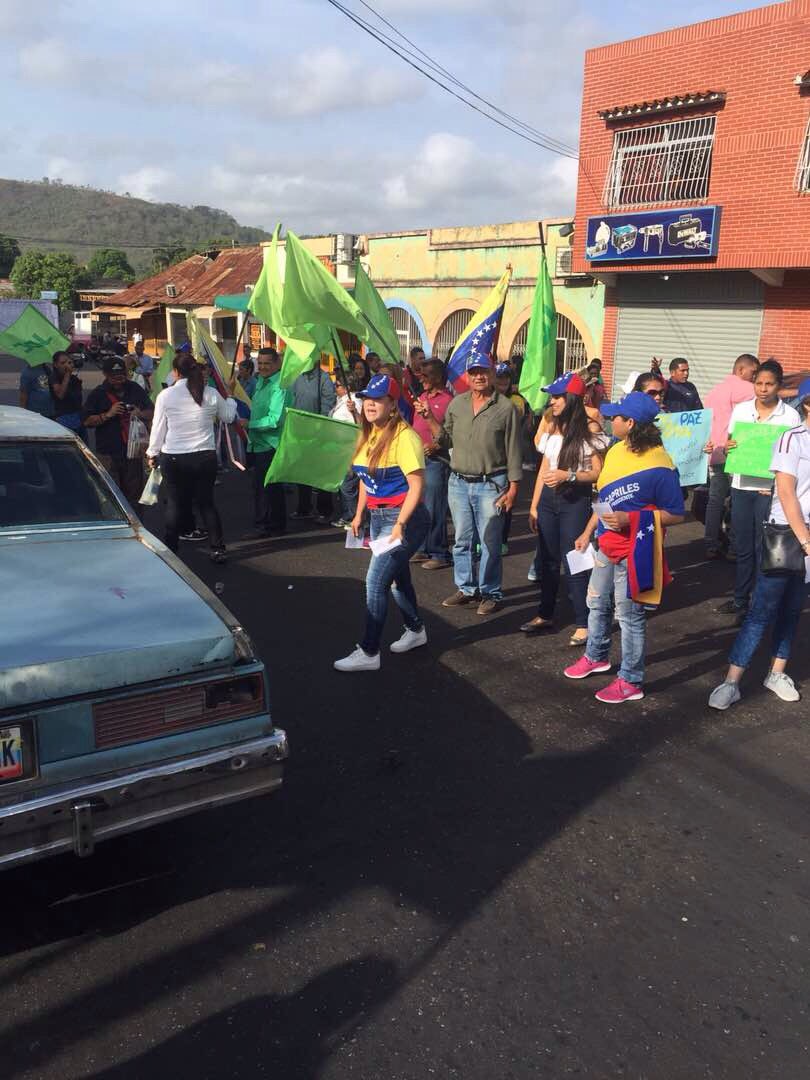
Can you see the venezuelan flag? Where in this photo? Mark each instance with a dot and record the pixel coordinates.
(480, 335)
(647, 571)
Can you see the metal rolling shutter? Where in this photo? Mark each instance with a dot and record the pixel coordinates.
(708, 318)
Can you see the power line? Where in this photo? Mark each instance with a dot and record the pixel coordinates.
(544, 142)
(436, 66)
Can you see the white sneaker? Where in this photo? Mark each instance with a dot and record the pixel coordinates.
(782, 685)
(411, 639)
(358, 661)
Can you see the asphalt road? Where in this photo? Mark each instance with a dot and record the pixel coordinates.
(474, 869)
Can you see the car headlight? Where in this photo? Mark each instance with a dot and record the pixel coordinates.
(243, 646)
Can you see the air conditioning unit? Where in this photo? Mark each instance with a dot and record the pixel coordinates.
(563, 262)
(171, 290)
(250, 288)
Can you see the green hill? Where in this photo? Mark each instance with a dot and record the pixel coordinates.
(61, 217)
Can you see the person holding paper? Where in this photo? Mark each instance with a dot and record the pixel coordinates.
(641, 489)
(778, 598)
(561, 503)
(390, 463)
(751, 495)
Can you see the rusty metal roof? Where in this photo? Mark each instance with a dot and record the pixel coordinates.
(196, 280)
(230, 272)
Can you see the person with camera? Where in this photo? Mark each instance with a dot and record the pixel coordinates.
(108, 410)
(781, 590)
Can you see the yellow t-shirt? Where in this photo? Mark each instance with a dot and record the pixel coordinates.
(389, 484)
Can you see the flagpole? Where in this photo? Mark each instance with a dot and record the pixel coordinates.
(497, 336)
(397, 359)
(238, 340)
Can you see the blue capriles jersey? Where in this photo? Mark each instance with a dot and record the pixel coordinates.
(631, 481)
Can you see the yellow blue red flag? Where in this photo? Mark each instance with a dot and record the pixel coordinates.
(480, 335)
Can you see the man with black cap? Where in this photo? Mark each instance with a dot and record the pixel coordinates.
(483, 429)
(109, 409)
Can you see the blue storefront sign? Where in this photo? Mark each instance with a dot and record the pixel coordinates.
(654, 235)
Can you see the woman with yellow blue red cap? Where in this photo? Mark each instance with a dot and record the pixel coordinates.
(390, 463)
(561, 503)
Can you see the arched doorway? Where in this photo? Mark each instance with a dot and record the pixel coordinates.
(407, 331)
(571, 354)
(450, 331)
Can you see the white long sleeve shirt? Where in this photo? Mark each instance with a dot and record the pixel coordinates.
(181, 426)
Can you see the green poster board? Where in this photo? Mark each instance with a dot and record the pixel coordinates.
(754, 450)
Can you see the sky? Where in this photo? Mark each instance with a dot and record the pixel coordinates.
(285, 110)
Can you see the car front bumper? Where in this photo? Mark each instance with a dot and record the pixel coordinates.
(77, 816)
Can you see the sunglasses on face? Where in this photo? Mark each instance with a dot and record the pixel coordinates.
(654, 393)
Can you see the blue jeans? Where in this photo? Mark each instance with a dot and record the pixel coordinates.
(561, 518)
(437, 474)
(392, 569)
(749, 510)
(472, 506)
(608, 580)
(778, 599)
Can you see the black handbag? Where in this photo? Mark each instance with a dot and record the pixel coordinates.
(781, 551)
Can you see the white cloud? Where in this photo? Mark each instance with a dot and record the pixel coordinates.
(148, 182)
(45, 61)
(319, 81)
(67, 170)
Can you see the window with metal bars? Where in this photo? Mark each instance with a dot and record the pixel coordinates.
(407, 331)
(661, 163)
(450, 331)
(571, 354)
(802, 181)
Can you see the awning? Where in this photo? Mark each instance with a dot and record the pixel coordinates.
(122, 312)
(233, 302)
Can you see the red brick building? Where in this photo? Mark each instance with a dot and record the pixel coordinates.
(693, 200)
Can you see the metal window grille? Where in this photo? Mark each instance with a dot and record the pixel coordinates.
(407, 331)
(802, 181)
(571, 355)
(661, 163)
(450, 331)
(562, 262)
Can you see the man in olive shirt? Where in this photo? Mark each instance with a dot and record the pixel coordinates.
(483, 429)
(267, 408)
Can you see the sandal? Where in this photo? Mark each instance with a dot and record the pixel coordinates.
(574, 641)
(537, 625)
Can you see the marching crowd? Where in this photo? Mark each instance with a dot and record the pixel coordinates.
(600, 507)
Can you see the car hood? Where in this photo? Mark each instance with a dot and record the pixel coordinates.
(97, 610)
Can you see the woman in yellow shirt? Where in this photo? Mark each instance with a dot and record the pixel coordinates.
(390, 464)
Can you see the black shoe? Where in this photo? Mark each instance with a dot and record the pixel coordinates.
(301, 515)
(195, 536)
(255, 534)
(219, 555)
(731, 607)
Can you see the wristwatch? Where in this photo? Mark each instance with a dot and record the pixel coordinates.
(572, 476)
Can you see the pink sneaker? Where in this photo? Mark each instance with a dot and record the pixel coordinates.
(619, 691)
(585, 667)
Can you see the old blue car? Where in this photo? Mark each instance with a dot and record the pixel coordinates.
(129, 694)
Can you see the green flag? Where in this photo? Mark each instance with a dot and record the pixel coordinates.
(302, 343)
(382, 337)
(540, 358)
(32, 338)
(313, 450)
(313, 295)
(162, 371)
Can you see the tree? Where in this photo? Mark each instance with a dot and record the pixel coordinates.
(111, 263)
(9, 251)
(37, 270)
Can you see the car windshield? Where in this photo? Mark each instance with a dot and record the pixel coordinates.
(52, 483)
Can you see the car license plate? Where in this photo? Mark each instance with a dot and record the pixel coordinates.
(12, 754)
